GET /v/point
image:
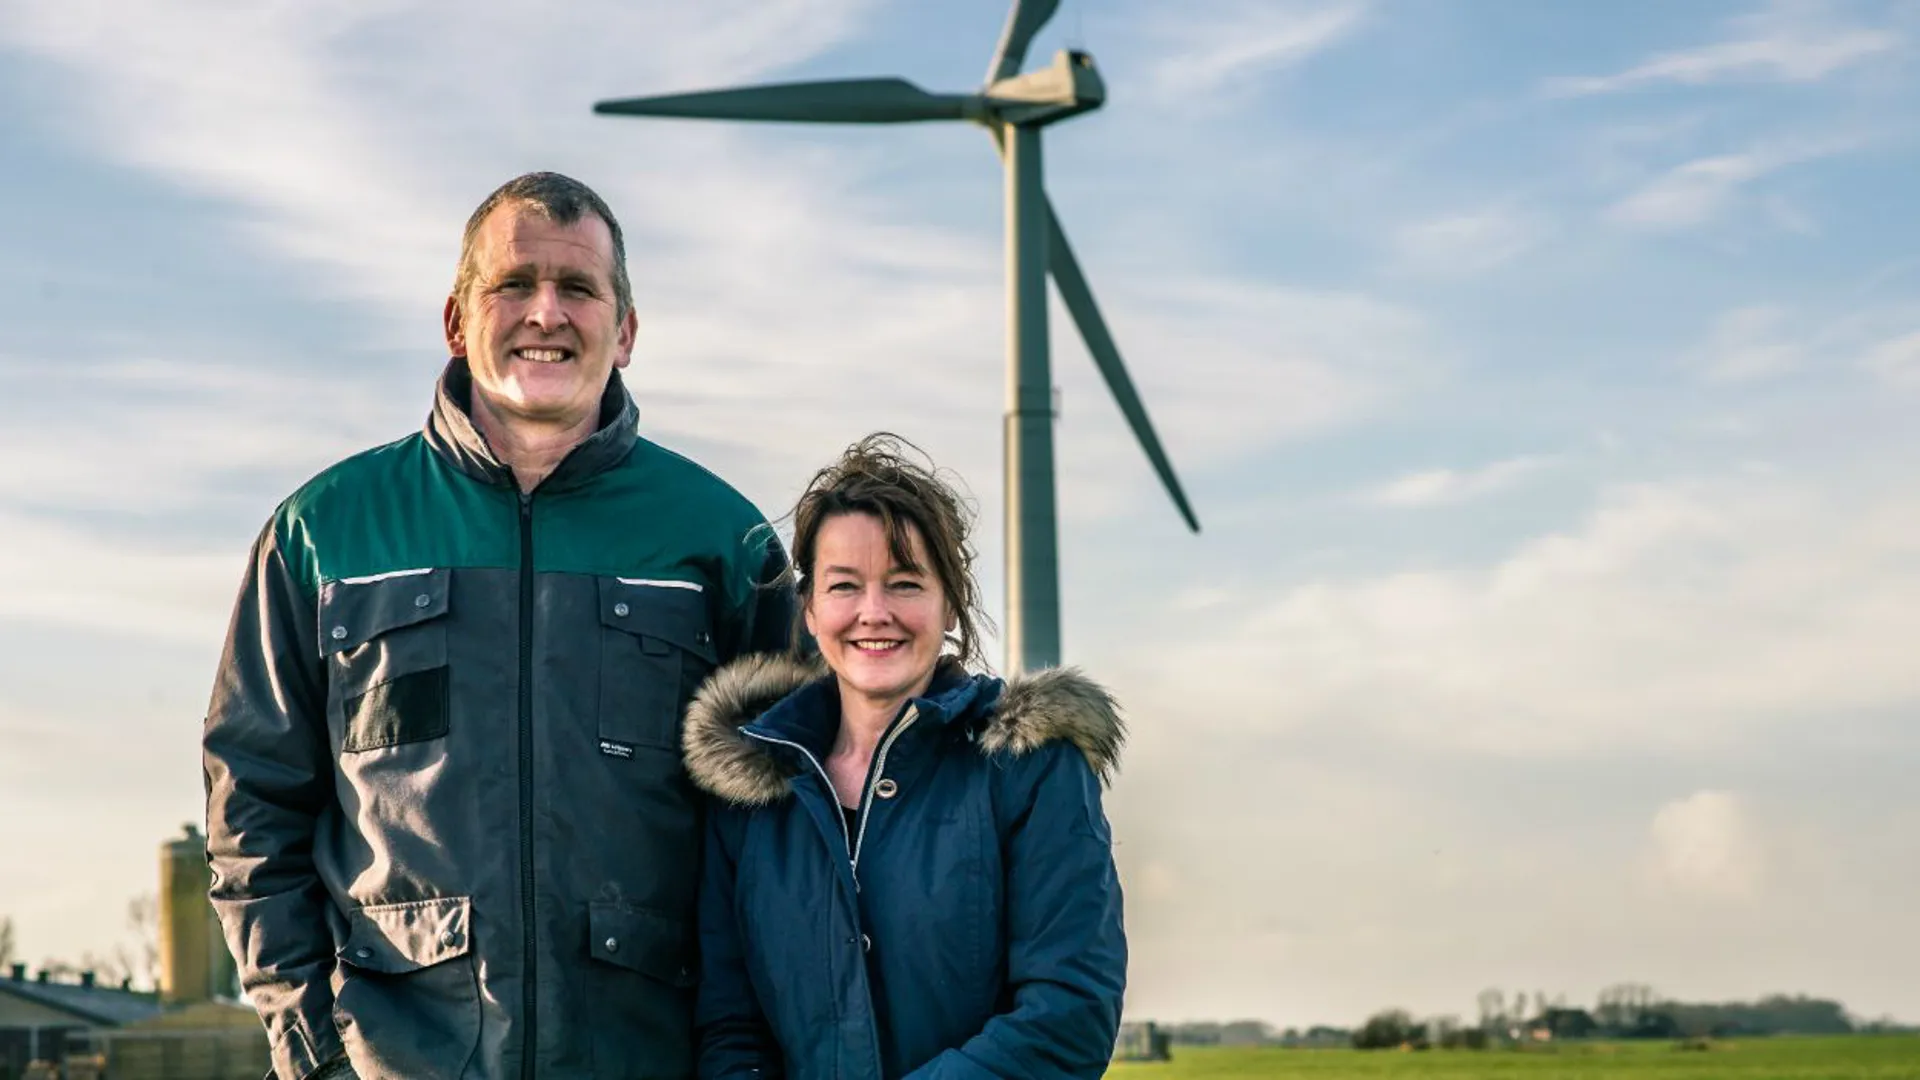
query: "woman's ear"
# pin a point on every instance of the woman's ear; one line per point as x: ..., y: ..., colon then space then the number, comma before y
x: 953, y: 619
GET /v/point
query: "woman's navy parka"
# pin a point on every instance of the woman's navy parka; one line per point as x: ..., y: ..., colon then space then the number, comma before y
x: 967, y: 924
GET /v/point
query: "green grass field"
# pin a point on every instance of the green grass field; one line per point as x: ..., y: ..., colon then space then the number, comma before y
x: 1860, y: 1057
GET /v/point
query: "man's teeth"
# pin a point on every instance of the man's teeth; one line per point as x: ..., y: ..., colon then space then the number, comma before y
x: 542, y: 356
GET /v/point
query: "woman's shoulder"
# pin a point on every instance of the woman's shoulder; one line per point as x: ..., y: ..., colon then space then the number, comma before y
x: 1051, y: 713
x: 720, y: 759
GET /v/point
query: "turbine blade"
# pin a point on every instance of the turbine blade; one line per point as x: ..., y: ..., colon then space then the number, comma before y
x: 1093, y: 329
x: 834, y: 101
x: 1023, y: 22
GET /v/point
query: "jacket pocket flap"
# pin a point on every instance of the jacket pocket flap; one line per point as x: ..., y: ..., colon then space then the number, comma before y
x: 642, y: 941
x: 354, y: 611
x: 671, y: 611
x: 398, y: 938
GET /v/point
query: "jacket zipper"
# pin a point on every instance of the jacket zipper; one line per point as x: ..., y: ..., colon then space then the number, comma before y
x: 530, y: 942
x: 874, y: 773
x: 817, y: 767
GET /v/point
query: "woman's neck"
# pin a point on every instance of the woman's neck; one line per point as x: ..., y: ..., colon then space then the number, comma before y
x: 862, y: 721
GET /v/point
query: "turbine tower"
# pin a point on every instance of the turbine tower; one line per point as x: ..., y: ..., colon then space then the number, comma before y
x: 1015, y: 109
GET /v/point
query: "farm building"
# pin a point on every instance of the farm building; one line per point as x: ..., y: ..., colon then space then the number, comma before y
x: 43, y: 1020
x: 192, y: 1029
x: 1142, y: 1041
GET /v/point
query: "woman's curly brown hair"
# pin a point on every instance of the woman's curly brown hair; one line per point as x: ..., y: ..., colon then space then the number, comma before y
x: 889, y: 478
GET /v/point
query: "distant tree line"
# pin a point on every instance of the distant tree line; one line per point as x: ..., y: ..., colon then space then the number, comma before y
x: 1621, y: 1011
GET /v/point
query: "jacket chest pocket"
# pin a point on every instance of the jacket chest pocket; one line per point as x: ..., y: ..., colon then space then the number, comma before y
x: 385, y: 643
x: 655, y: 648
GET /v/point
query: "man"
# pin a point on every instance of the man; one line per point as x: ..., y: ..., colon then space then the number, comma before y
x: 447, y: 819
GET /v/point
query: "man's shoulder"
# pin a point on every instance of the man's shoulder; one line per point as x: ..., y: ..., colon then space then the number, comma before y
x: 329, y: 513
x: 351, y: 477
x: 691, y: 484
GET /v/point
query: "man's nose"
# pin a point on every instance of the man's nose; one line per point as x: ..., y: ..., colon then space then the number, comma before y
x: 544, y: 309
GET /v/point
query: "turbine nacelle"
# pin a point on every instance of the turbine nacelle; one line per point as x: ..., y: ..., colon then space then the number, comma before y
x: 1067, y: 87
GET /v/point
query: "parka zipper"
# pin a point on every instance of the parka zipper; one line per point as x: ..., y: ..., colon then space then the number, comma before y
x: 530, y: 943
x: 874, y: 772
x: 817, y: 767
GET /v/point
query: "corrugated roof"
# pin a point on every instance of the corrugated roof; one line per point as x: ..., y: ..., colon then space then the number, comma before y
x: 108, y: 1005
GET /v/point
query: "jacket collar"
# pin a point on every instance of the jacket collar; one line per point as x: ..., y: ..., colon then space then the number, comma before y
x: 452, y: 434
x: 777, y: 697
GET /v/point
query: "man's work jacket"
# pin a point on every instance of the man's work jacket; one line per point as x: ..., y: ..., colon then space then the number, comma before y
x: 447, y: 819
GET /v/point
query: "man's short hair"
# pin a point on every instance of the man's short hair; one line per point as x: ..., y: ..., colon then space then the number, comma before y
x: 563, y: 200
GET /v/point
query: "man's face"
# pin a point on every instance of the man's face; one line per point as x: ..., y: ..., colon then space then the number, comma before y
x: 539, y: 324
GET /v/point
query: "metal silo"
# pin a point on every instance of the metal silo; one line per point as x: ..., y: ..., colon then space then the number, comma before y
x: 194, y: 962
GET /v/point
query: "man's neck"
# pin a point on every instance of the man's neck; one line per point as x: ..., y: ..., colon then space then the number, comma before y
x: 531, y: 449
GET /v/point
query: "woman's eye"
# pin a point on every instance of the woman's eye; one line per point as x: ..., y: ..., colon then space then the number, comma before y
x: 840, y: 587
x: 906, y: 586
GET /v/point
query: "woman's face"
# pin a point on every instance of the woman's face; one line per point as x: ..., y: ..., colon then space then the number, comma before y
x: 879, y: 625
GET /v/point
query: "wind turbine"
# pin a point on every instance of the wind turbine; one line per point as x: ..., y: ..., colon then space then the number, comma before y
x: 1015, y: 108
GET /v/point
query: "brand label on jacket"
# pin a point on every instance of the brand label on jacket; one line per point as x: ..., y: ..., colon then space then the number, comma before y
x: 623, y: 751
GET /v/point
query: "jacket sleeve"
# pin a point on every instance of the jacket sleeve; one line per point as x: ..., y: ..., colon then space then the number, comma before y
x: 269, y: 780
x: 734, y: 1039
x: 1066, y: 945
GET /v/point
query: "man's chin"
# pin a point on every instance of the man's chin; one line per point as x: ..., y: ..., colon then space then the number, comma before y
x: 521, y: 404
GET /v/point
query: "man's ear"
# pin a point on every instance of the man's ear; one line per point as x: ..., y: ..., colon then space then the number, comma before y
x: 453, y: 319
x: 629, y: 332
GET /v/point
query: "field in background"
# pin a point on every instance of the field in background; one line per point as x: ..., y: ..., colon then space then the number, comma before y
x: 1854, y: 1057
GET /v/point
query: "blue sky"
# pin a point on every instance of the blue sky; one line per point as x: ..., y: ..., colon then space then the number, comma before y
x: 1541, y: 374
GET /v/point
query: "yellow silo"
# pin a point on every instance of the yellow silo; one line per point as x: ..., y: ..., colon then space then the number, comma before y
x: 194, y: 962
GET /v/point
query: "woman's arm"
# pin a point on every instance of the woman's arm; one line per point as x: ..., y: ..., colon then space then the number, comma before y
x: 1066, y: 948
x: 733, y: 1036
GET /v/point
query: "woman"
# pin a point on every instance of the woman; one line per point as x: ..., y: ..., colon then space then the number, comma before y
x: 908, y: 872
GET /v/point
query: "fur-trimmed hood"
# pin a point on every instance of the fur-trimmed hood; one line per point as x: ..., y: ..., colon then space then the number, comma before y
x: 1031, y: 711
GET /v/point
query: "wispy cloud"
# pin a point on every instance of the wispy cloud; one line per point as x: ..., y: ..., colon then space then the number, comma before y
x: 1895, y: 361
x: 1438, y: 487
x: 1208, y: 49
x: 1789, y: 42
x: 1701, y: 191
x: 332, y: 173
x: 1657, y: 622
x: 1466, y: 244
x: 1750, y: 344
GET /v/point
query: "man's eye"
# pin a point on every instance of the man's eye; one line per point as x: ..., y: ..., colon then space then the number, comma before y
x: 514, y: 285
x: 580, y: 289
